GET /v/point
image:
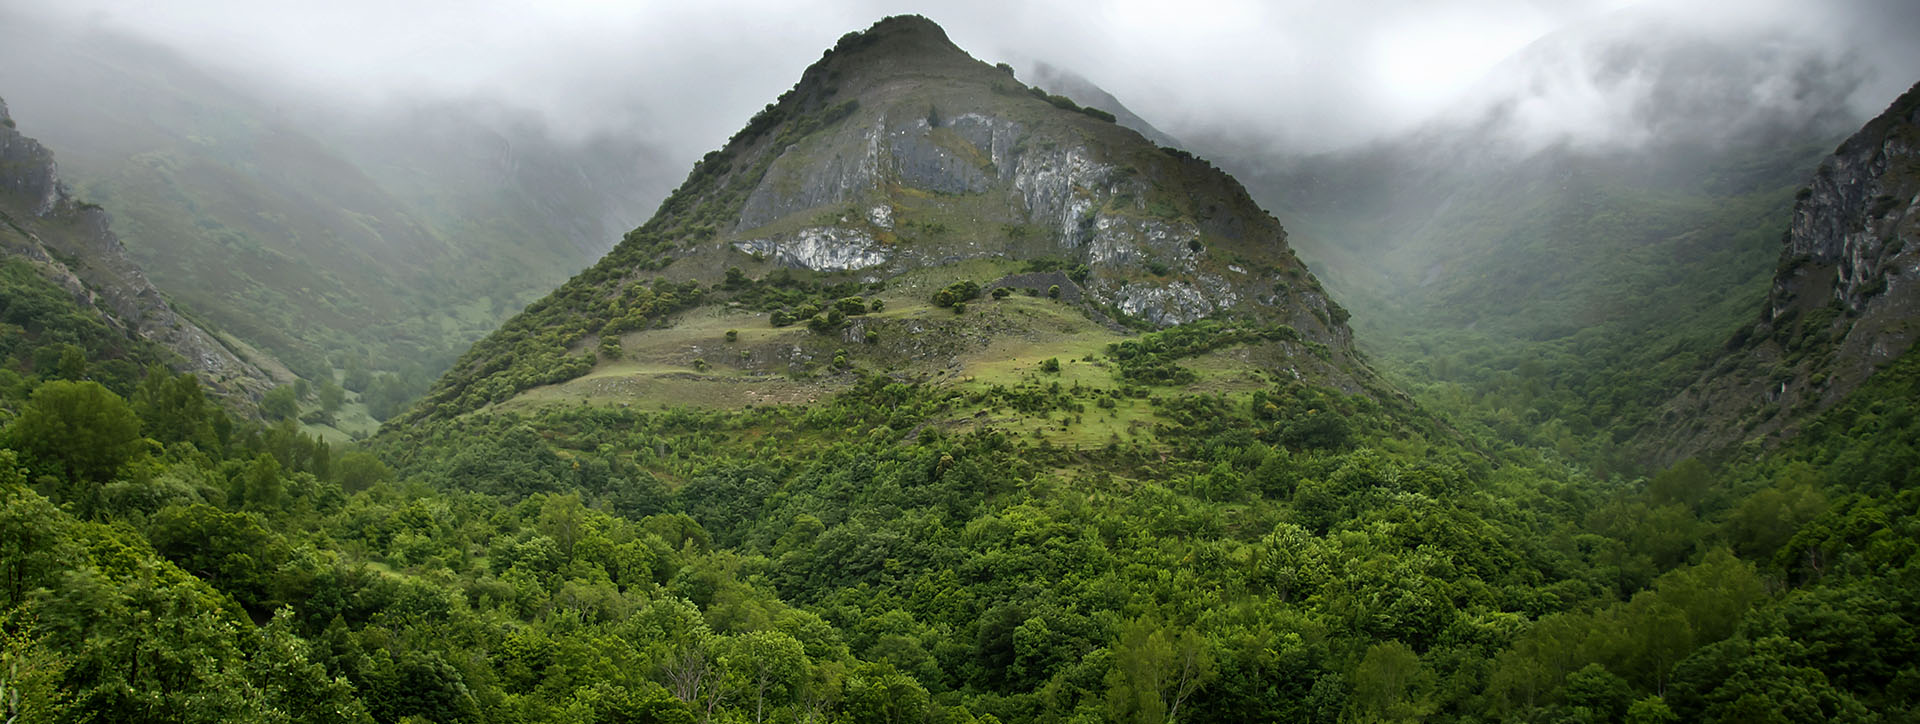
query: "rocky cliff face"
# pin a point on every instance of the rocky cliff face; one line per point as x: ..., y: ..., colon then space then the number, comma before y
x: 73, y: 244
x: 1844, y: 302
x: 898, y: 151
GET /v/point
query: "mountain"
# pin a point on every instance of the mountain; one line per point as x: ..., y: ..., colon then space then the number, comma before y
x: 1842, y: 304
x: 897, y: 167
x: 1516, y: 266
x: 325, y: 236
x: 71, y: 243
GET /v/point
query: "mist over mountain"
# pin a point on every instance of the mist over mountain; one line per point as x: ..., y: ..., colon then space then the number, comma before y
x: 1555, y: 220
x: 329, y: 237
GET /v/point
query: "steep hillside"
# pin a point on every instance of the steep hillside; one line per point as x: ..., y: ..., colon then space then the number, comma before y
x: 1842, y: 304
x: 897, y: 167
x: 72, y: 244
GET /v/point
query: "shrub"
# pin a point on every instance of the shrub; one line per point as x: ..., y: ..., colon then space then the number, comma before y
x: 1053, y: 292
x: 956, y: 293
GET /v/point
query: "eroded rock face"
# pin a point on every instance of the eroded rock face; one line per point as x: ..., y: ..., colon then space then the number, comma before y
x: 824, y: 248
x: 58, y: 227
x: 1852, y: 212
x: 1092, y: 210
x: 1843, y: 302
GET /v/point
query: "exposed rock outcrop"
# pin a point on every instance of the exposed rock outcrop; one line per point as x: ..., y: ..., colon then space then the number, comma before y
x: 897, y: 151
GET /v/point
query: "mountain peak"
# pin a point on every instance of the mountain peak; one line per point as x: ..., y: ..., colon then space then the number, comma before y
x: 896, y: 47
x: 914, y: 29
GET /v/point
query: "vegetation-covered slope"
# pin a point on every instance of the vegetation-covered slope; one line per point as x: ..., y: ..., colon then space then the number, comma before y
x: 1285, y: 553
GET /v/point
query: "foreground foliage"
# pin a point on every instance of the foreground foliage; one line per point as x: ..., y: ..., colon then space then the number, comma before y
x: 880, y: 557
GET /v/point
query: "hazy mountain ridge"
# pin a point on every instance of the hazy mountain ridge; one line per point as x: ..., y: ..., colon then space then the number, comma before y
x: 72, y: 243
x: 326, y: 236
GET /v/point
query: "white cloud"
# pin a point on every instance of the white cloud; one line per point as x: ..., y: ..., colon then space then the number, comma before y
x: 1296, y: 73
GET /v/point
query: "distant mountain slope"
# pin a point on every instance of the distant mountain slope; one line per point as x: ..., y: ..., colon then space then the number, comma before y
x: 900, y: 164
x: 71, y: 244
x: 1556, y: 284
x: 388, y: 242
x: 1843, y: 302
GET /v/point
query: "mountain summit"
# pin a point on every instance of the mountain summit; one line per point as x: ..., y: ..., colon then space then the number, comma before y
x: 899, y: 165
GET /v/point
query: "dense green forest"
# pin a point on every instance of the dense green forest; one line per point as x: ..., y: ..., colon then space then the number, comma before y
x: 1292, y: 553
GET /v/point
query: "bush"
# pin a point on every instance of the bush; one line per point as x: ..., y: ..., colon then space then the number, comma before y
x: 956, y: 293
x: 1053, y: 292
x: 1002, y: 292
x: 1050, y: 365
x: 733, y: 335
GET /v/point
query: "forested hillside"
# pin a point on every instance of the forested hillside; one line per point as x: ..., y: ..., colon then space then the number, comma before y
x: 1291, y: 554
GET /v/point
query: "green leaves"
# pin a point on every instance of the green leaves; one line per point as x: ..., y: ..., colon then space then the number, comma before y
x: 79, y: 432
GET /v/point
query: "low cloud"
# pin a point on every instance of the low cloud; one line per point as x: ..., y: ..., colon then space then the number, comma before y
x: 1293, y: 75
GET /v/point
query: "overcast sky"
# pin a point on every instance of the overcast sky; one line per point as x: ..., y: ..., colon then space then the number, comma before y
x: 1300, y: 73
